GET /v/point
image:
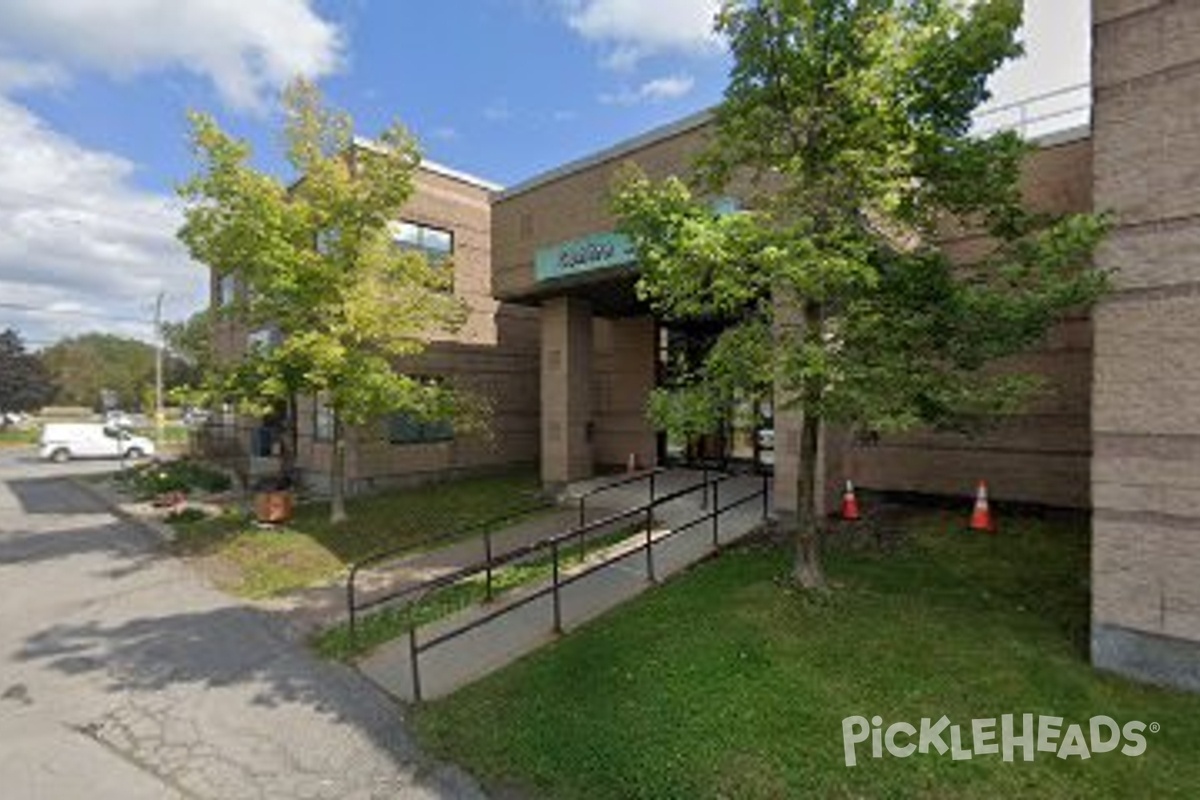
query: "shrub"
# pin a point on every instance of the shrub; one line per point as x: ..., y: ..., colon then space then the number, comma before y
x: 184, y: 475
x: 186, y: 515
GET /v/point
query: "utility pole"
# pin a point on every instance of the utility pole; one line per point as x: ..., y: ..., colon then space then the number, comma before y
x: 158, y: 373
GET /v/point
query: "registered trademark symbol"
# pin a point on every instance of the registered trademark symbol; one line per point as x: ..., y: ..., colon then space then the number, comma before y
x: 1155, y: 727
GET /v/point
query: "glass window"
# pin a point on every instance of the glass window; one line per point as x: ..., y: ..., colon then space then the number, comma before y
x: 406, y: 429
x: 226, y: 289
x: 436, y: 243
x: 323, y: 419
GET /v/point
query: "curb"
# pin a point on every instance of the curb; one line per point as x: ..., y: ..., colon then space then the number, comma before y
x: 160, y: 531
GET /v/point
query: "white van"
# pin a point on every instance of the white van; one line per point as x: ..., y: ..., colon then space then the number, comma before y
x: 64, y: 441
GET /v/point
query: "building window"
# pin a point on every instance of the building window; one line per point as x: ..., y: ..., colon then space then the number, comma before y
x: 323, y: 419
x: 226, y: 289
x: 404, y: 428
x: 435, y: 243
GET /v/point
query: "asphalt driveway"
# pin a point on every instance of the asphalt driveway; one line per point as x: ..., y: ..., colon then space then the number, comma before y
x: 122, y: 675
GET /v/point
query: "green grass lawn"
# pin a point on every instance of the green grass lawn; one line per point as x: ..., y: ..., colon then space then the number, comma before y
x: 728, y: 683
x: 15, y: 437
x: 310, y: 550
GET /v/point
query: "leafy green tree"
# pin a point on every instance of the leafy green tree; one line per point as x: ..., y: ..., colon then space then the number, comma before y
x: 90, y: 364
x: 189, y: 345
x: 338, y: 302
x: 844, y: 131
x: 25, y: 383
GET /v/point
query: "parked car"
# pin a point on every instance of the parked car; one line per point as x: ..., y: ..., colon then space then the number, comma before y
x: 64, y: 441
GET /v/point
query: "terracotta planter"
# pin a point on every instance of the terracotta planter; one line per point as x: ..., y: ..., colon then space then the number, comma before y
x: 273, y: 507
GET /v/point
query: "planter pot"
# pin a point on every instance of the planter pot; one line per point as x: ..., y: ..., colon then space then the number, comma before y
x: 273, y: 507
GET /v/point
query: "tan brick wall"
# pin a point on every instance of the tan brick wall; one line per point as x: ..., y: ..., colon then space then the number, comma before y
x: 1145, y: 476
x: 570, y: 207
x: 495, y: 355
x: 1043, y: 454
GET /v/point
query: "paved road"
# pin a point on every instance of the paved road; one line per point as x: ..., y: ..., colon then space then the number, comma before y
x: 122, y: 675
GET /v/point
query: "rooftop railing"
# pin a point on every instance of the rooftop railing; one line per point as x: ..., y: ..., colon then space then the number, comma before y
x: 1041, y: 115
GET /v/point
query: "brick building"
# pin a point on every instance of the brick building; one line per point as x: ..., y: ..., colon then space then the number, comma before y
x: 558, y: 338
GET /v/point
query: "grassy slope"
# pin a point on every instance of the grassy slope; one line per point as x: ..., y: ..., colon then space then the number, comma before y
x: 727, y: 683
x: 260, y: 563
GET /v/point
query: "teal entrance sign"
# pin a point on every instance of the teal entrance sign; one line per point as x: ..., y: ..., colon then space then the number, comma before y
x: 588, y: 254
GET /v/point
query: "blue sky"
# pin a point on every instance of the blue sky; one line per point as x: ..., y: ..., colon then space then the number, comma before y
x: 93, y: 95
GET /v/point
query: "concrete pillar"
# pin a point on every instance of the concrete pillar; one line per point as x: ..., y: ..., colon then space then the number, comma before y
x: 831, y: 457
x: 624, y: 375
x: 1145, y: 418
x: 567, y: 426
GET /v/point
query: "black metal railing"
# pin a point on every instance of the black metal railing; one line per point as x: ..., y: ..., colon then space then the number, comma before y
x: 710, y: 513
x: 355, y: 606
x: 646, y: 475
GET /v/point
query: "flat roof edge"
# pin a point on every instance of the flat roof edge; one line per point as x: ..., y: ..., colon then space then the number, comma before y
x: 1077, y: 133
x: 611, y: 153
x: 436, y: 168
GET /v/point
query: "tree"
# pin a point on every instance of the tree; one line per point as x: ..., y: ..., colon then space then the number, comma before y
x: 189, y: 346
x: 337, y: 301
x: 25, y: 384
x: 90, y: 364
x: 844, y: 131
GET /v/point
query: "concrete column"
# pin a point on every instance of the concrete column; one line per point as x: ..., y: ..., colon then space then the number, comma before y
x: 831, y: 455
x: 567, y: 427
x: 1146, y: 421
x: 624, y: 375
x: 831, y: 447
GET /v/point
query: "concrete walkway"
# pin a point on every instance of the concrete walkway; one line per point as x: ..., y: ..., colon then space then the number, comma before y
x: 313, y: 609
x: 123, y: 676
x: 497, y: 640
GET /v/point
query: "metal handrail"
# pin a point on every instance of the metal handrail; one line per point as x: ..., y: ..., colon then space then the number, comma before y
x: 558, y: 581
x: 649, y: 474
x: 526, y: 550
x: 488, y: 525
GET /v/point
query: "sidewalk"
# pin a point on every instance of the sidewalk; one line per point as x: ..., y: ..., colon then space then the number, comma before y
x: 320, y: 607
x: 498, y: 640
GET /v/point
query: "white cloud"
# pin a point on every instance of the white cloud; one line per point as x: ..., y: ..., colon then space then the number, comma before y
x: 670, y: 87
x: 17, y: 75
x: 632, y: 30
x: 247, y: 48
x: 77, y: 236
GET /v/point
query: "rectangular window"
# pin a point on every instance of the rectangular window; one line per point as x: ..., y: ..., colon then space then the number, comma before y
x: 226, y: 289
x: 435, y: 243
x: 323, y: 419
x: 405, y: 429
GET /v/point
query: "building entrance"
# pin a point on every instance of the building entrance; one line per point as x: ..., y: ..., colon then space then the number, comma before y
x: 745, y: 436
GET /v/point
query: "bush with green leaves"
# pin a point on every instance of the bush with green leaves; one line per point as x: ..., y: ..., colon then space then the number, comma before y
x: 185, y: 475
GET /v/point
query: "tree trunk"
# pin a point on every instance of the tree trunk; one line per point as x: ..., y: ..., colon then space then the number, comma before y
x: 289, y: 444
x: 807, y: 569
x: 337, y: 475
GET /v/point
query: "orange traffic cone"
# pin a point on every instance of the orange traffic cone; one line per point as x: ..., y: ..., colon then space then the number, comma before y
x: 981, y: 516
x: 849, y: 503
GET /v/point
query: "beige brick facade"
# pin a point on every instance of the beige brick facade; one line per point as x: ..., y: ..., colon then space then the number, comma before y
x: 494, y: 355
x: 1146, y: 427
x: 1041, y: 456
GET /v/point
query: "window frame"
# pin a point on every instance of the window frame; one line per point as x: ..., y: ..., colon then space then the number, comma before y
x: 324, y: 419
x: 419, y: 243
